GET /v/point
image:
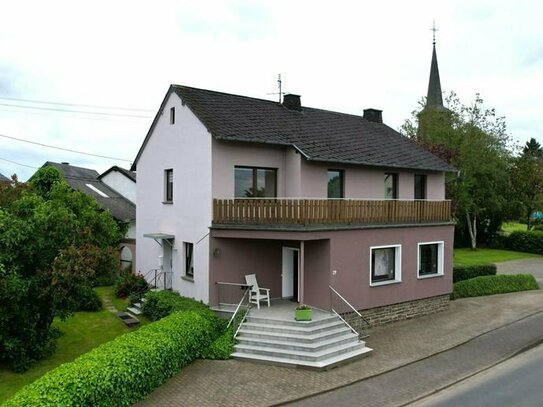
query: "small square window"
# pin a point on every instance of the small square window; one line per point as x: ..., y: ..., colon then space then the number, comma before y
x: 172, y: 115
x: 189, y: 259
x: 385, y: 265
x: 430, y: 259
x: 168, y: 185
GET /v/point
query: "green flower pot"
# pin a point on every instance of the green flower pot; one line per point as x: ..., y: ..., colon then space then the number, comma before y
x: 303, y: 314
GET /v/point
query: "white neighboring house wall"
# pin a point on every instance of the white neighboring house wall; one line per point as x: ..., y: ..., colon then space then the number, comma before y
x: 121, y: 183
x: 184, y: 147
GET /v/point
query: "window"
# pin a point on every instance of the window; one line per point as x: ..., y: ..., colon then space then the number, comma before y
x: 430, y: 259
x: 420, y: 186
x: 255, y: 182
x: 189, y: 260
x: 385, y: 265
x: 172, y: 115
x: 335, y: 184
x: 391, y: 185
x: 168, y: 185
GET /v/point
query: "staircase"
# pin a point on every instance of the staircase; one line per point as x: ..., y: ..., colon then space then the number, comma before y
x: 321, y: 344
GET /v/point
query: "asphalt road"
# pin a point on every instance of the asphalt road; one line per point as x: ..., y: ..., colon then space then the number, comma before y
x: 419, y: 379
x: 516, y: 382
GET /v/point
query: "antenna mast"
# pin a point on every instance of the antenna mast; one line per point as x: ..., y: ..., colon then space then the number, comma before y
x: 434, y: 29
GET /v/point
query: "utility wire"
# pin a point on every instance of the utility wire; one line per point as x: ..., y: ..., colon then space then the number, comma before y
x: 78, y: 105
x: 65, y: 149
x: 76, y: 111
x: 16, y: 163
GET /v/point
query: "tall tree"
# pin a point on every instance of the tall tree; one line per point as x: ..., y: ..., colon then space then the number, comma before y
x: 475, y: 141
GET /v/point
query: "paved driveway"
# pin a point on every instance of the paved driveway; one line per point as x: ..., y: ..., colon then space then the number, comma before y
x: 532, y: 266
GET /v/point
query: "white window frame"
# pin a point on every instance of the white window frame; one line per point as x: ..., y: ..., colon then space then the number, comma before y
x: 397, y: 264
x: 440, y: 258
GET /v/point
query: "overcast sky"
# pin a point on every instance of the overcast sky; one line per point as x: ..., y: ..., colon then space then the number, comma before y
x: 342, y: 55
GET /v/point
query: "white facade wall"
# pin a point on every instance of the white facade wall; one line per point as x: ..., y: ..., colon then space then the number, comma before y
x: 184, y: 147
x: 122, y: 184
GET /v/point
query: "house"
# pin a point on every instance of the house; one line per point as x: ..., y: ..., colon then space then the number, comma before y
x: 4, y: 179
x: 305, y: 198
x: 114, y: 190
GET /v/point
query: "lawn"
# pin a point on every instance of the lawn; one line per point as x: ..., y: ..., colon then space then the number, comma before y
x: 514, y: 227
x: 81, y: 333
x: 468, y: 257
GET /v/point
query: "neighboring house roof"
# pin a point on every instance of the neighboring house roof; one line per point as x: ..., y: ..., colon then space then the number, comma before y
x: 129, y: 174
x: 4, y: 179
x: 86, y: 181
x: 319, y: 135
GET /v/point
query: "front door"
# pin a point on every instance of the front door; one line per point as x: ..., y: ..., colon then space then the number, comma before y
x: 289, y: 274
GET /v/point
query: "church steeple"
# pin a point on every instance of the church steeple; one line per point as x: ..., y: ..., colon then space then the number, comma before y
x: 434, y: 98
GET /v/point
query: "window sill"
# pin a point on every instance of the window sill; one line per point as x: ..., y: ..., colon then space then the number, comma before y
x: 388, y: 282
x: 424, y: 276
x: 167, y: 202
x: 187, y: 278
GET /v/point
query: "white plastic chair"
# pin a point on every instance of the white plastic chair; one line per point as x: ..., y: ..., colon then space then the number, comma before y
x: 257, y: 293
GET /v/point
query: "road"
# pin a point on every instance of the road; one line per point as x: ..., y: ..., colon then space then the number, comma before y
x: 516, y: 382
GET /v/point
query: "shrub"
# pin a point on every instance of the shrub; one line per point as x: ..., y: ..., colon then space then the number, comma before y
x: 89, y: 300
x: 125, y: 370
x: 130, y: 283
x: 489, y: 285
x: 159, y: 304
x: 529, y: 242
x: 461, y: 273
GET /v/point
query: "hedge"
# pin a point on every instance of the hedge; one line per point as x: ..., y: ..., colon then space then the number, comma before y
x: 529, y: 241
x: 461, y: 273
x: 489, y: 285
x: 123, y: 371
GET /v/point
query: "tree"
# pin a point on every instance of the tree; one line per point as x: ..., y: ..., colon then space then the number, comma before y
x: 40, y: 228
x: 475, y: 141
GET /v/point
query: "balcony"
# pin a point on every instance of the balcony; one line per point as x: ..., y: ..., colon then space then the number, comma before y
x: 306, y: 212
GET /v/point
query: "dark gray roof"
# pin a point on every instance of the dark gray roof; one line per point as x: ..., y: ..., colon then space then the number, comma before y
x: 80, y: 178
x: 129, y: 174
x: 319, y: 135
x: 4, y: 179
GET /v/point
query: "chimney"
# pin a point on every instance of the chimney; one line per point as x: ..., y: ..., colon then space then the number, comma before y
x: 373, y: 115
x: 292, y: 102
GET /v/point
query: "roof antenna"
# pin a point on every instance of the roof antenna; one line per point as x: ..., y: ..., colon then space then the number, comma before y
x: 434, y: 29
x: 280, y: 87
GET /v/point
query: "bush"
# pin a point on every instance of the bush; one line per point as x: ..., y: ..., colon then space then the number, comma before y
x: 461, y: 273
x: 130, y: 283
x: 159, y: 304
x: 489, y: 285
x: 89, y: 300
x: 125, y: 370
x: 529, y: 242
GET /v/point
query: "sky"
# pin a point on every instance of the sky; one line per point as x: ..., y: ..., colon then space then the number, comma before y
x: 77, y: 60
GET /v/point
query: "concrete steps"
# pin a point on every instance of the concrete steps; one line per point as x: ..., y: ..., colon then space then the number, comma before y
x: 319, y: 344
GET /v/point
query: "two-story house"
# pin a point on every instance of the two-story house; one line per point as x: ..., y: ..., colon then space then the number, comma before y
x: 304, y: 198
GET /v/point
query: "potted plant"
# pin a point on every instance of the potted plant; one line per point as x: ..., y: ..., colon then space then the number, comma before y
x: 303, y: 313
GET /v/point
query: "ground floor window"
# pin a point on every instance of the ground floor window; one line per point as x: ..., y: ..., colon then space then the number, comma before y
x: 189, y: 259
x: 385, y: 264
x: 430, y: 259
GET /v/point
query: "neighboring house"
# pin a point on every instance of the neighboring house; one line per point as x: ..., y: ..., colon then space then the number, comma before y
x: 114, y: 190
x: 4, y: 179
x: 304, y: 198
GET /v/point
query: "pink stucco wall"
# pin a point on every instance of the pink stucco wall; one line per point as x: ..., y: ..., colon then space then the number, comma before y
x: 347, y: 252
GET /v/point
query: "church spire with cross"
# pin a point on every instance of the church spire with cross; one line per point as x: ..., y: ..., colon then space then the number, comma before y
x: 434, y: 98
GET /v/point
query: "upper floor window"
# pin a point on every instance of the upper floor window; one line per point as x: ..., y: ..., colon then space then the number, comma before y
x: 391, y: 185
x: 251, y: 182
x: 168, y: 185
x: 335, y: 184
x: 420, y: 186
x: 172, y: 115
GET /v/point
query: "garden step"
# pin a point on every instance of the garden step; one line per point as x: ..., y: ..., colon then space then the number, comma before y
x: 129, y: 320
x: 295, y: 338
x: 316, y: 346
x: 134, y: 310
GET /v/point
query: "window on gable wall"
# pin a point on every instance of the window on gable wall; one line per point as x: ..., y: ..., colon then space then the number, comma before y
x: 168, y: 185
x: 251, y: 182
x: 172, y: 115
x: 189, y: 259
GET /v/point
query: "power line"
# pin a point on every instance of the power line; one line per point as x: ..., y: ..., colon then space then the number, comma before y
x: 65, y: 149
x: 77, y: 105
x: 16, y: 163
x: 76, y: 111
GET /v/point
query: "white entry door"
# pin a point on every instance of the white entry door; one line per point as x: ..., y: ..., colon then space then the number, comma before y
x: 289, y: 274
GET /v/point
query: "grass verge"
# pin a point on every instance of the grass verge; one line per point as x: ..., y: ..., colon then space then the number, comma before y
x: 468, y: 257
x: 490, y: 285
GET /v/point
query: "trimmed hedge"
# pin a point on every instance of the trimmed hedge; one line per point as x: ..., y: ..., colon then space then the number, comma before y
x: 125, y: 370
x: 529, y: 242
x: 461, y: 273
x: 489, y: 285
x: 159, y: 304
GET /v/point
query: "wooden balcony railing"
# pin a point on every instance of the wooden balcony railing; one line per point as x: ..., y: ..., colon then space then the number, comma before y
x: 282, y: 211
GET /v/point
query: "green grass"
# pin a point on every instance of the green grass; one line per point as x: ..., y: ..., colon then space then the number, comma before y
x: 468, y: 257
x: 81, y: 333
x: 109, y: 293
x: 490, y: 285
x: 514, y: 227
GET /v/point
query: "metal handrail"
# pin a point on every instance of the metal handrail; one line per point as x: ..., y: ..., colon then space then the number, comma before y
x: 353, y: 309
x: 233, y: 318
